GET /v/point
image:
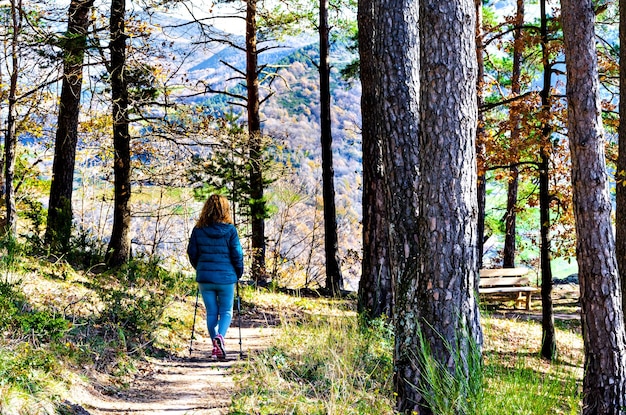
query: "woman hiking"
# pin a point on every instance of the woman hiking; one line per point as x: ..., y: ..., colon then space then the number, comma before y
x: 215, y: 253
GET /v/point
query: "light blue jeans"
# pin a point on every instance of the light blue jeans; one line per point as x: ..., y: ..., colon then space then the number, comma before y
x: 218, y: 301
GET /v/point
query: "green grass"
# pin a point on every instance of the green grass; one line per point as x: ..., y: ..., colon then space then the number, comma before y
x: 525, y: 390
x: 57, y: 322
x: 320, y: 365
x: 518, y: 381
x: 327, y: 364
x: 321, y: 362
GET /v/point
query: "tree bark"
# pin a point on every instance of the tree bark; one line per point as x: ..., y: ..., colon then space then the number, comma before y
x: 437, y: 294
x: 334, y: 280
x: 59, y: 227
x: 480, y: 139
x: 548, y: 345
x: 514, y: 119
x: 257, y: 207
x: 376, y: 282
x: 390, y: 76
x: 620, y: 175
x: 508, y: 257
x: 604, y: 383
x: 118, y: 251
x: 10, y: 140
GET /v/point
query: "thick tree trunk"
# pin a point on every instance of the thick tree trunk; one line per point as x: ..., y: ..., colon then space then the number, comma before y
x: 604, y: 383
x: 620, y: 175
x: 334, y: 280
x: 119, y: 246
x: 257, y: 207
x: 548, y: 346
x: 59, y: 227
x: 437, y: 296
x: 390, y: 75
x: 376, y: 283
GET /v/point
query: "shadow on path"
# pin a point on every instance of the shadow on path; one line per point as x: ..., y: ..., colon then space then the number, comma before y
x: 190, y: 385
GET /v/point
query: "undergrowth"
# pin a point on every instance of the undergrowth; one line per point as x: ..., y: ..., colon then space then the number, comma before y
x: 325, y: 363
x: 56, y: 321
x: 321, y: 365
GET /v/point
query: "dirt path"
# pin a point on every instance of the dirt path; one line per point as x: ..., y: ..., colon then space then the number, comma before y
x: 195, y: 385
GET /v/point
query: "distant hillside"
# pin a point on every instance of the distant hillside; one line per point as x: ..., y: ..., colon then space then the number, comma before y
x: 292, y: 113
x: 292, y: 117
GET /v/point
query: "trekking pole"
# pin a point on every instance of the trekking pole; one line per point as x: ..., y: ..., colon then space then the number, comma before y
x: 193, y: 327
x: 239, y: 319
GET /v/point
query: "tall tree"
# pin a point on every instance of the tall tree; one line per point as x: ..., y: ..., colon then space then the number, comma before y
x: 59, y: 226
x: 389, y: 54
x: 620, y: 179
x: 548, y: 345
x: 257, y: 208
x: 604, y: 383
x: 334, y: 281
x: 445, y: 306
x: 261, y: 26
x: 376, y: 282
x: 436, y: 294
x: 118, y: 250
x: 510, y: 235
x: 480, y: 137
x: 10, y: 138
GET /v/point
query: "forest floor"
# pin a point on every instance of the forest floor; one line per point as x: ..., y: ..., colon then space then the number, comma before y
x: 195, y: 384
x: 565, y: 299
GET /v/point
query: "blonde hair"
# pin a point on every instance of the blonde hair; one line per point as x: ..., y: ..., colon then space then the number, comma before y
x: 216, y: 209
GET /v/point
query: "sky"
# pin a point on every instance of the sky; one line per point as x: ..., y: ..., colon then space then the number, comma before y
x: 207, y: 8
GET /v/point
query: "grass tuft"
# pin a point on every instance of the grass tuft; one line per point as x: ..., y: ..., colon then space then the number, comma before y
x: 321, y: 365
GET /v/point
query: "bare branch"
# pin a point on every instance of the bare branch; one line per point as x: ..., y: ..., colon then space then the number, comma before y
x: 489, y: 106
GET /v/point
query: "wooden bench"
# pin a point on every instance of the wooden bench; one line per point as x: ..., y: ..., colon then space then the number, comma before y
x: 507, y: 281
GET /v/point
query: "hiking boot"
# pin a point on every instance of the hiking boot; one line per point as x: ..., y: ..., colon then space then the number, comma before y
x: 215, y: 351
x: 219, y: 344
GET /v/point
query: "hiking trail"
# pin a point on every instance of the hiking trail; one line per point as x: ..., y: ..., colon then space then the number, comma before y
x: 190, y: 385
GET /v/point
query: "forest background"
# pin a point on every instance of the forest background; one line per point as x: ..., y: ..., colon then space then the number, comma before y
x: 186, y: 139
x: 175, y: 64
x: 180, y: 131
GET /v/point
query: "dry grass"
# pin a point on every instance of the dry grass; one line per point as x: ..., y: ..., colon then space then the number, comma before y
x: 516, y: 380
x: 322, y: 342
x: 516, y: 376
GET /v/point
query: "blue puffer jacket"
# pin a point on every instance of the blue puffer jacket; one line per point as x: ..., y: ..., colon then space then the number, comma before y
x: 215, y: 252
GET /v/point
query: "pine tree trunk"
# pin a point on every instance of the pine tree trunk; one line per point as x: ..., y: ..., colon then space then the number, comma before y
x: 59, y: 227
x: 389, y: 47
x: 620, y: 175
x: 480, y: 139
x: 548, y: 345
x: 604, y: 383
x: 376, y: 283
x: 334, y: 281
x: 437, y: 295
x: 10, y: 138
x: 257, y: 207
x: 119, y: 246
x: 514, y: 117
x: 508, y: 257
